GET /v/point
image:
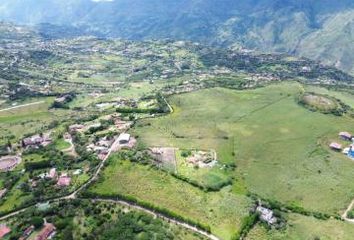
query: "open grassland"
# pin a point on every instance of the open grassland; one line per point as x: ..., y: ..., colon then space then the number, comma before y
x: 346, y: 97
x: 301, y: 227
x: 223, y: 211
x: 27, y: 119
x: 280, y: 148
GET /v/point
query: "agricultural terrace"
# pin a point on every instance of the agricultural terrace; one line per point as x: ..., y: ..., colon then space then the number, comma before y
x: 279, y: 147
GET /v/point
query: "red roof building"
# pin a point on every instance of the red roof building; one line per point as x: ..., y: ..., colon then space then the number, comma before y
x: 46, y: 232
x: 345, y: 135
x: 4, y: 230
x: 64, y: 181
x: 336, y: 146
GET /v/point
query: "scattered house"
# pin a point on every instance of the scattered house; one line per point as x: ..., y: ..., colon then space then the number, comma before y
x: 47, y: 232
x: 64, y: 181
x: 3, y: 192
x: 27, y: 233
x: 76, y: 128
x: 124, y: 138
x: 122, y: 125
x: 104, y: 142
x: 4, y: 230
x: 77, y: 172
x: 52, y: 173
x: 335, y: 146
x: 346, y: 136
x: 36, y: 140
x: 266, y: 215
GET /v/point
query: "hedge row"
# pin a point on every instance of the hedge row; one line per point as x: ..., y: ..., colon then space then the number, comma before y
x: 246, y: 226
x: 273, y: 204
x: 200, y: 186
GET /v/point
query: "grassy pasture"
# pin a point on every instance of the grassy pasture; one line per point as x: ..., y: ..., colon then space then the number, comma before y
x: 223, y: 211
x: 280, y: 148
x: 346, y: 97
x: 301, y: 227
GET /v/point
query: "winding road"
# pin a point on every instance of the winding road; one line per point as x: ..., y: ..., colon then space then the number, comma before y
x: 73, y: 195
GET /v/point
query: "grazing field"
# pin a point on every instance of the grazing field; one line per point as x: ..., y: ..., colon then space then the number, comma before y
x: 223, y: 211
x: 15, y: 123
x: 345, y: 96
x: 280, y: 148
x: 301, y: 227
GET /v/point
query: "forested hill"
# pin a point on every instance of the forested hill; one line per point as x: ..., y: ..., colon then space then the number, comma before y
x: 321, y: 30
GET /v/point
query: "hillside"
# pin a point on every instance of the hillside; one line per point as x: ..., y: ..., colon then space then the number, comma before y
x: 31, y: 64
x: 321, y: 30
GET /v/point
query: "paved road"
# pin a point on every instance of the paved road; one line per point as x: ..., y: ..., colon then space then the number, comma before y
x: 20, y: 106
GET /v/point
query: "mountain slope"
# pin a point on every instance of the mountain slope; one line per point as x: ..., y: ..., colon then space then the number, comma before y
x: 321, y: 30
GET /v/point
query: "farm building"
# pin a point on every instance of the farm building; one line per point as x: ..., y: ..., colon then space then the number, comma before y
x: 4, y: 230
x: 346, y: 136
x: 47, y: 232
x: 124, y: 138
x: 335, y: 146
x: 266, y: 215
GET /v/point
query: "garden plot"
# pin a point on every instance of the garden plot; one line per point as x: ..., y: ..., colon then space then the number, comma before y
x: 165, y: 157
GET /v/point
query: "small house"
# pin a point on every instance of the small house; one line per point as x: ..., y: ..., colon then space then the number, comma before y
x: 52, y: 173
x: 335, y: 146
x: 4, y: 230
x: 346, y: 136
x: 124, y: 138
x: 266, y: 215
x: 64, y: 181
x: 47, y: 232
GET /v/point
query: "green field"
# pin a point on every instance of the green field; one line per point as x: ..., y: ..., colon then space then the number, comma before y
x: 209, y: 177
x: 301, y: 227
x: 279, y: 147
x: 223, y: 211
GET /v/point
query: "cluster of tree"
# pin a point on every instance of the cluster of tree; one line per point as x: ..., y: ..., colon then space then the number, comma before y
x: 68, y: 97
x: 338, y: 109
x: 270, y: 64
x: 282, y: 207
x: 205, y: 187
x: 163, y: 211
x: 135, y: 225
x: 162, y: 107
x: 246, y: 225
